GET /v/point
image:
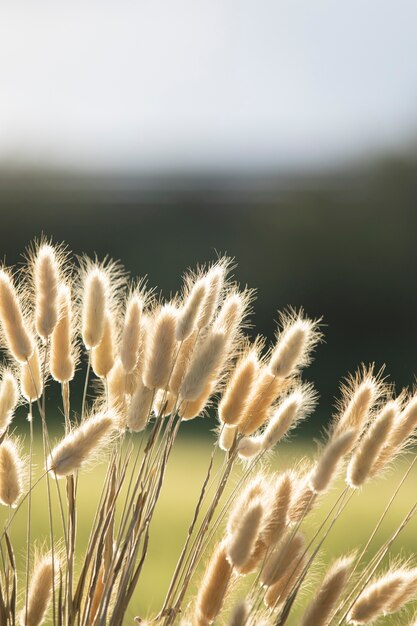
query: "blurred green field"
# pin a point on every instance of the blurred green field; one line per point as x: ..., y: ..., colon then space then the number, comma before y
x: 183, y: 482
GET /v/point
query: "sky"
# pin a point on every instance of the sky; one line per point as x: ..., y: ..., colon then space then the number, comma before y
x: 197, y: 84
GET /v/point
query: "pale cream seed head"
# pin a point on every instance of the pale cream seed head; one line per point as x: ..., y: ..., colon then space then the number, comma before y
x: 161, y: 346
x: 31, y: 379
x: 9, y: 396
x: 326, y: 467
x: 295, y: 343
x: 11, y: 473
x: 238, y: 390
x: 46, y: 281
x: 140, y: 408
x: 131, y: 333
x: 205, y: 364
x: 358, y: 397
x: 320, y: 610
x: 241, y: 542
x: 95, y: 302
x: 191, y: 310
x: 103, y: 355
x: 62, y: 358
x: 276, y: 511
x: 40, y: 591
x: 18, y: 339
x: 189, y: 409
x: 364, y: 457
x: 214, y: 281
x: 293, y: 408
x: 377, y: 598
x: 282, y: 559
x: 80, y: 446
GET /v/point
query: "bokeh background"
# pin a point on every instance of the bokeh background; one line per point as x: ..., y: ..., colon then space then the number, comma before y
x: 283, y: 133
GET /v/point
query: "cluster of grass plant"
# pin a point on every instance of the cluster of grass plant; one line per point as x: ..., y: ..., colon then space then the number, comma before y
x: 150, y: 367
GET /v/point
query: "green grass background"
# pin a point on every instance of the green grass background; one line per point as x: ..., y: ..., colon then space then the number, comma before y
x: 184, y: 478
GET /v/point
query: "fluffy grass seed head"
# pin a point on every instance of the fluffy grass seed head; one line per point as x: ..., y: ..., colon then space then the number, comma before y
x: 116, y: 386
x: 140, y: 408
x: 294, y: 346
x: 320, y: 610
x: 283, y: 558
x: 238, y: 390
x: 242, y: 541
x: 63, y: 357
x: 406, y: 594
x: 365, y: 456
x: 18, y: 339
x: 103, y: 354
x: 303, y: 497
x: 255, y: 491
x: 46, y: 279
x: 232, y: 313
x: 191, y: 310
x: 40, y: 591
x: 214, y: 282
x: 190, y: 409
x: 214, y: 585
x: 359, y: 394
x: 277, y: 593
x: 404, y: 426
x: 99, y: 286
x: 79, y: 446
x: 161, y: 346
x: 9, y: 397
x: 326, y: 467
x: 380, y: 597
x: 11, y: 473
x: 291, y: 410
x: 182, y: 361
x: 206, y: 362
x: 276, y: 511
x: 131, y: 333
x: 266, y: 389
x: 31, y: 379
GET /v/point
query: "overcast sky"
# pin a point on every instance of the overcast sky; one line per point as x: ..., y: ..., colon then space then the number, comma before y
x: 216, y: 83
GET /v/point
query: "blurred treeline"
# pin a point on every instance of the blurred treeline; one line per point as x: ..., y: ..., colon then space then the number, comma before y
x: 341, y: 244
